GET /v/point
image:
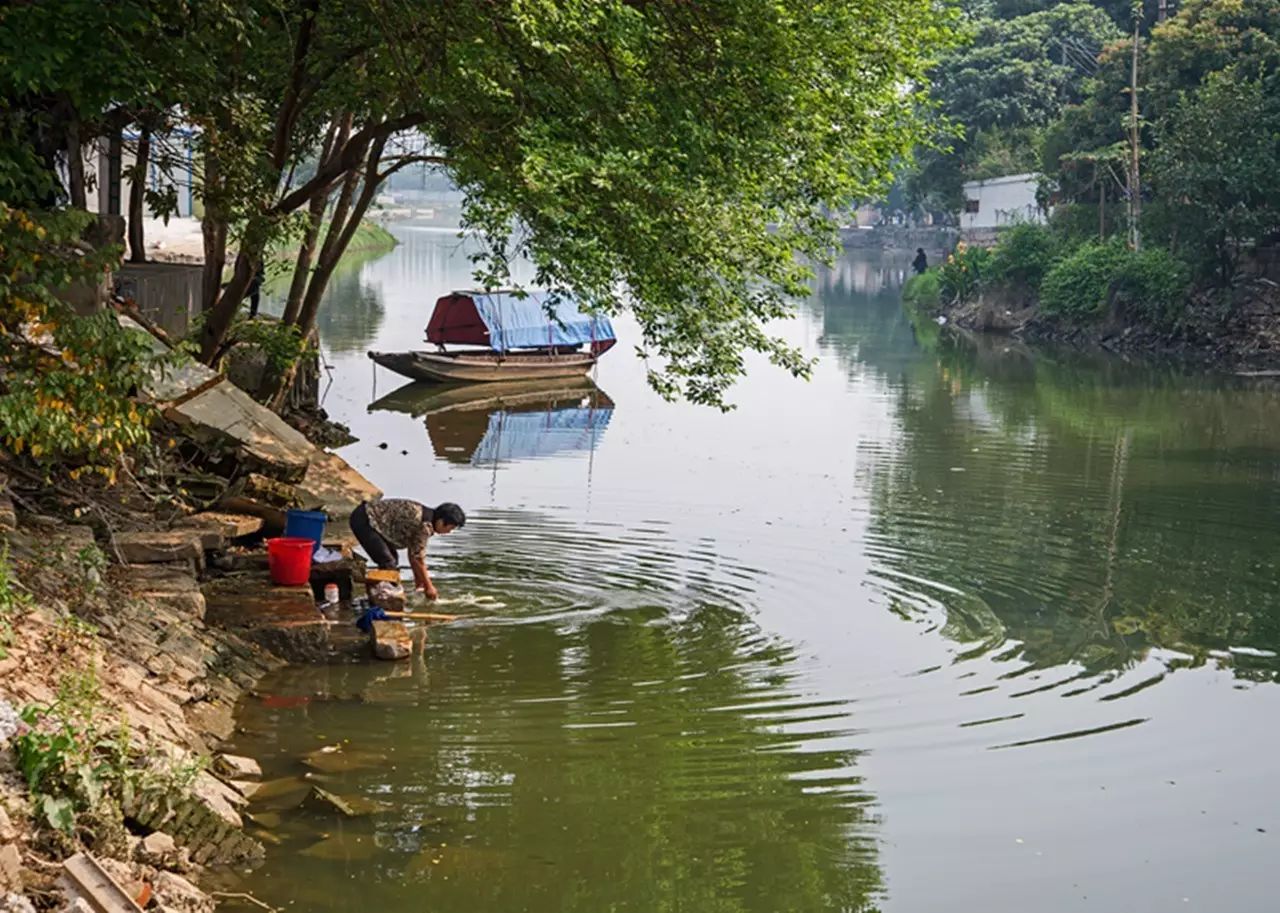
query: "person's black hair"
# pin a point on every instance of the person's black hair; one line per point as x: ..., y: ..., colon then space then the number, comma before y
x: 450, y: 513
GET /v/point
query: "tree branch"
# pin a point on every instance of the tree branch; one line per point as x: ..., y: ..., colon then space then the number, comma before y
x: 289, y: 106
x: 349, y: 157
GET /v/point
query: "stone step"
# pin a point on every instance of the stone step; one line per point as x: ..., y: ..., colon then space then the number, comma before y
x: 174, y: 586
x: 391, y: 640
x: 153, y: 547
x: 220, y: 527
x: 283, y: 620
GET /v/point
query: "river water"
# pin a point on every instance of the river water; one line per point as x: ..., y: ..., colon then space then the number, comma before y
x: 952, y: 626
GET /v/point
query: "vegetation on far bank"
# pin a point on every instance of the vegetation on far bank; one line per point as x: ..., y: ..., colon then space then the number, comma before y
x: 1074, y: 279
x: 1186, y: 176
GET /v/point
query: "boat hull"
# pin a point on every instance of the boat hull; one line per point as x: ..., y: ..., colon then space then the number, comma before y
x: 483, y: 367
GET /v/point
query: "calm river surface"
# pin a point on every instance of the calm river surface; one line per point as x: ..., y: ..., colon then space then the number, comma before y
x: 950, y: 627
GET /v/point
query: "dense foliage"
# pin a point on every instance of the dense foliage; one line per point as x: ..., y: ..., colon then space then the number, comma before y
x: 69, y: 380
x: 1025, y: 255
x: 1215, y: 167
x: 669, y: 158
x: 1012, y: 78
x: 1047, y: 86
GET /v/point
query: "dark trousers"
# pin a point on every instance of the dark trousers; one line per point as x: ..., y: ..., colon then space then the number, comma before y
x: 377, y: 548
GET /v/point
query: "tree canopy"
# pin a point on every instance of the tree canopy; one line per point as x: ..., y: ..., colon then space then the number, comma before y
x: 668, y: 158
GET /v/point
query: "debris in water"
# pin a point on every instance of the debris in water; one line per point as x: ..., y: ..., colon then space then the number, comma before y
x: 342, y: 849
x: 337, y: 759
x: 351, y: 806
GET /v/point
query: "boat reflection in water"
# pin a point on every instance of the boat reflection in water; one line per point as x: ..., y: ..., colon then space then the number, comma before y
x: 487, y: 424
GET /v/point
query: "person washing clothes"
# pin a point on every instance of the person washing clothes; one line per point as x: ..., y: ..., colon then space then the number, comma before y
x: 384, y: 527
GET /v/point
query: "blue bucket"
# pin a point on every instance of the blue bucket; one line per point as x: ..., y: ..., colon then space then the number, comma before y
x: 305, y: 524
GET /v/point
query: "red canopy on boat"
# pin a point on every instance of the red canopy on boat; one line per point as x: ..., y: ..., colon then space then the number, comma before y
x: 506, y: 321
x: 456, y: 320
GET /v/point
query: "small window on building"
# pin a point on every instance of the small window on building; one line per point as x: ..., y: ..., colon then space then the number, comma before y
x: 971, y: 206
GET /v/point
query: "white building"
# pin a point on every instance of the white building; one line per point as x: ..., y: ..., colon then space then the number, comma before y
x: 1001, y: 201
x: 108, y: 167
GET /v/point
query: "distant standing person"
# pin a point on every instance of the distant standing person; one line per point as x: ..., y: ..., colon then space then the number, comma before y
x: 921, y: 262
x: 255, y: 291
x: 384, y: 527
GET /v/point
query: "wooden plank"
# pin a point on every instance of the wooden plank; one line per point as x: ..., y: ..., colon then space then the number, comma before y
x: 92, y: 882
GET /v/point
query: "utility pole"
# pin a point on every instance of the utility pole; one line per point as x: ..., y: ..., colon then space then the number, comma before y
x: 1135, y: 137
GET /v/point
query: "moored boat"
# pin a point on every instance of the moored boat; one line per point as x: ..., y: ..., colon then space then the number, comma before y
x: 535, y: 336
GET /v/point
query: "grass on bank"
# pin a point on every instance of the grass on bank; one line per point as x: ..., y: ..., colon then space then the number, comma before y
x: 923, y: 290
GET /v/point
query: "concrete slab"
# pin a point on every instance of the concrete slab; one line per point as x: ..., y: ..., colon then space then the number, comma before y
x: 176, y: 382
x: 333, y: 485
x: 226, y: 414
x: 219, y: 527
x: 283, y: 620
x: 152, y: 547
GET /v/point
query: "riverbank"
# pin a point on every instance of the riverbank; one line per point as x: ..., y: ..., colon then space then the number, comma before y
x: 181, y: 241
x: 1139, y: 306
x: 133, y: 619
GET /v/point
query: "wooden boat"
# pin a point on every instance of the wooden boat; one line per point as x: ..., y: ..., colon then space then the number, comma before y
x: 480, y: 367
x: 532, y: 337
x: 420, y: 399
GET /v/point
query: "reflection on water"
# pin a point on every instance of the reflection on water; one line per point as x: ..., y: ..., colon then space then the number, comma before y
x: 954, y: 626
x: 570, y: 755
x: 1119, y: 506
x: 487, y: 424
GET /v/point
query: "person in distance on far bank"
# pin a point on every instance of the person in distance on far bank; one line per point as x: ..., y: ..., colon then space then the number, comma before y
x: 384, y: 527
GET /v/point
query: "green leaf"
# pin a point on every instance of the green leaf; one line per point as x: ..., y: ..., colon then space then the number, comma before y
x: 59, y: 812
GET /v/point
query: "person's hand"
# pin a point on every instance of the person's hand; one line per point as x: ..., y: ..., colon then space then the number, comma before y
x: 431, y: 592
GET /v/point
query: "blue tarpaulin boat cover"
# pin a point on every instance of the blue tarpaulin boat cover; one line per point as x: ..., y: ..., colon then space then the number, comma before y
x: 523, y: 323
x: 528, y: 435
x: 511, y: 322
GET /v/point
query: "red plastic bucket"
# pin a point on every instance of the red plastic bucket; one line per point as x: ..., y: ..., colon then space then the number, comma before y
x: 289, y: 559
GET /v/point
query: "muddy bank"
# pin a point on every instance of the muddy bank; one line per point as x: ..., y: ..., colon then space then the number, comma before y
x: 133, y: 619
x: 1240, y: 336
x: 130, y: 668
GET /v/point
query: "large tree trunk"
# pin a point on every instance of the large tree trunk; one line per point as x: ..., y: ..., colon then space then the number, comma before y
x: 315, y: 218
x: 345, y: 158
x: 213, y: 227
x: 302, y: 267
x: 218, y: 320
x: 75, y: 164
x: 331, y: 254
x: 346, y: 218
x: 138, y: 197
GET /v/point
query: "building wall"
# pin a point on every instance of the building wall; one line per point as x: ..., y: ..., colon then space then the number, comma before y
x: 1000, y: 202
x: 179, y: 152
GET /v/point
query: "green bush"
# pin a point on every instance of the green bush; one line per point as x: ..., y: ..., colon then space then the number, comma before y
x: 962, y: 274
x: 1024, y: 254
x: 1078, y: 285
x: 923, y: 290
x: 1074, y: 223
x: 1152, y: 283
